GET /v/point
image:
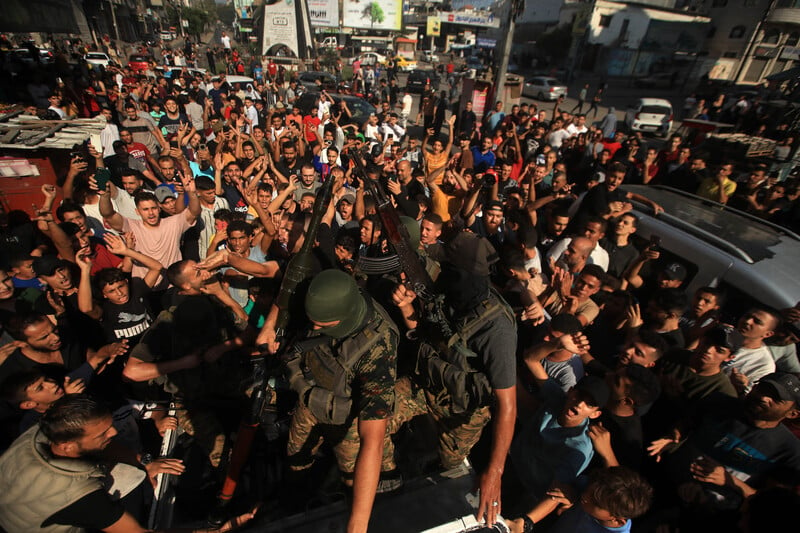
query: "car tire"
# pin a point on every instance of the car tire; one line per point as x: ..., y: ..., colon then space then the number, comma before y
x: 540, y: 96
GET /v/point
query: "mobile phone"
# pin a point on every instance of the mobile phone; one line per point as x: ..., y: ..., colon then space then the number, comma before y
x: 655, y: 242
x: 173, y: 144
x: 102, y: 177
x: 202, y: 146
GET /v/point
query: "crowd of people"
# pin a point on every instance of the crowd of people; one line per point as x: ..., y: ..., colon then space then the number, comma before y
x: 530, y: 319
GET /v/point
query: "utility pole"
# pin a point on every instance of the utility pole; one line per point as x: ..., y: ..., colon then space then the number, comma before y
x: 114, y: 19
x: 505, y: 51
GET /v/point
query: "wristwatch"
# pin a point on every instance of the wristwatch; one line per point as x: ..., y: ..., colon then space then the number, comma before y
x: 527, y: 524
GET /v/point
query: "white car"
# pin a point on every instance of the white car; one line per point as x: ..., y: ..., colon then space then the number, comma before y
x: 650, y: 115
x: 166, y: 35
x: 234, y: 78
x: 98, y: 59
x: 544, y: 88
x: 370, y: 58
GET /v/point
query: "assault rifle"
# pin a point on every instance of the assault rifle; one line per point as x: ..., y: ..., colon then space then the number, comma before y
x: 417, y: 277
x: 263, y: 395
x: 164, y: 493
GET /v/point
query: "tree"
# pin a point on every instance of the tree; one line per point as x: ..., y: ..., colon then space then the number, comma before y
x: 374, y: 13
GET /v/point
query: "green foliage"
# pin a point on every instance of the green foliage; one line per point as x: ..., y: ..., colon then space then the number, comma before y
x: 555, y: 44
x: 374, y: 13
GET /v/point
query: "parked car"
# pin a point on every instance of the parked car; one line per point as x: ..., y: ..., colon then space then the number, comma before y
x: 166, y: 35
x: 418, y: 79
x: 429, y: 56
x: 360, y: 108
x: 753, y: 260
x: 24, y: 54
x: 404, y: 64
x: 139, y: 62
x: 544, y: 88
x: 650, y: 115
x: 659, y: 80
x: 329, y: 42
x: 370, y: 58
x: 98, y: 59
x: 234, y: 78
x: 174, y: 72
x: 475, y: 63
x: 308, y: 80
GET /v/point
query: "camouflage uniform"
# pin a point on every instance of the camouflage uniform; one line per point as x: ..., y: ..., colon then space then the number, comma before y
x: 489, y: 336
x: 370, y: 382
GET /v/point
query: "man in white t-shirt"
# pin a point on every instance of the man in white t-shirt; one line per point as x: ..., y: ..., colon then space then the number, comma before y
x: 577, y: 126
x: 405, y: 110
x: 753, y: 360
x: 226, y: 43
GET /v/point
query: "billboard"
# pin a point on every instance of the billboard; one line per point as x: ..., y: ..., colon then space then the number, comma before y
x: 324, y: 12
x: 470, y: 19
x: 373, y: 14
x: 434, y: 26
x: 280, y: 29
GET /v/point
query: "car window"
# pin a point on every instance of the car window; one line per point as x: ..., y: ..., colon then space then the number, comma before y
x: 96, y: 56
x: 656, y: 109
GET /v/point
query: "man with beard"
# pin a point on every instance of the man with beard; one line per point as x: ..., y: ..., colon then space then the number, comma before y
x: 73, y: 476
x: 552, y: 228
x: 734, y: 450
x: 43, y: 348
x: 490, y: 224
x: 291, y: 163
x: 156, y: 238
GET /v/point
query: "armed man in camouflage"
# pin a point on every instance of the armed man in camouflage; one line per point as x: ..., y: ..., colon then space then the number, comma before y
x: 344, y: 374
x: 465, y: 378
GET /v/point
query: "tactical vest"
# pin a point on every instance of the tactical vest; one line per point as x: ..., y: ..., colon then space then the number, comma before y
x: 35, y: 485
x: 322, y: 374
x: 446, y: 370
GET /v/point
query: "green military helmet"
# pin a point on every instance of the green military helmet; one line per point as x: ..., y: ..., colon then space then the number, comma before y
x: 413, y: 231
x: 334, y: 295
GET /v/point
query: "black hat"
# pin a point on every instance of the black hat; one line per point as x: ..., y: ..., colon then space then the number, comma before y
x: 724, y: 336
x: 787, y: 385
x: 48, y: 264
x: 596, y: 388
x: 675, y: 271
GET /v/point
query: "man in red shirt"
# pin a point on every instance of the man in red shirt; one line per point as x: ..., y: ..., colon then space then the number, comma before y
x: 137, y: 150
x: 310, y: 124
x: 272, y: 70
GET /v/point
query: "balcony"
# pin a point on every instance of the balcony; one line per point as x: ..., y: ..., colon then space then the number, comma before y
x: 786, y: 15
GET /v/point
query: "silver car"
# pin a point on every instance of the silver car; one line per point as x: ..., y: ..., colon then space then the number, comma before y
x: 544, y: 88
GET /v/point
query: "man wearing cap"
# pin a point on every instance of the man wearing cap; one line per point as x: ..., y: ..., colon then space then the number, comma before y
x: 554, y: 446
x: 167, y: 200
x: 490, y: 224
x: 344, y: 376
x: 738, y: 448
x: 344, y: 211
x: 474, y: 381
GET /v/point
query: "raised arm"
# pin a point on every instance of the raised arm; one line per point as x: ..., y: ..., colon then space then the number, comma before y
x: 110, y: 216
x: 117, y: 245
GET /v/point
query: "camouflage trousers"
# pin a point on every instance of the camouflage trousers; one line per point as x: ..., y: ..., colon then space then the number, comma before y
x: 307, y: 434
x: 458, y: 433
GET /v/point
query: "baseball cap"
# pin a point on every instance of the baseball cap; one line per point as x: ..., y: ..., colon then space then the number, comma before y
x: 360, y: 137
x: 494, y: 204
x: 787, y: 385
x: 47, y: 265
x: 724, y: 336
x: 596, y: 388
x: 349, y: 198
x: 674, y: 271
x: 163, y: 192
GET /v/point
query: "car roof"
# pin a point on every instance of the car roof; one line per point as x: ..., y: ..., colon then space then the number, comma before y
x: 232, y: 78
x: 654, y: 101
x: 760, y: 251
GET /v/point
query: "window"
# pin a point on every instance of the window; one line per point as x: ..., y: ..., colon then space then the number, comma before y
x: 771, y: 36
x: 793, y: 39
x: 737, y: 32
x: 605, y: 21
x: 719, y: 3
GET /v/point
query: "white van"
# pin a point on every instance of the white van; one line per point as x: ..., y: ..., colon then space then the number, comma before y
x: 329, y: 42
x: 650, y: 115
x: 755, y: 261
